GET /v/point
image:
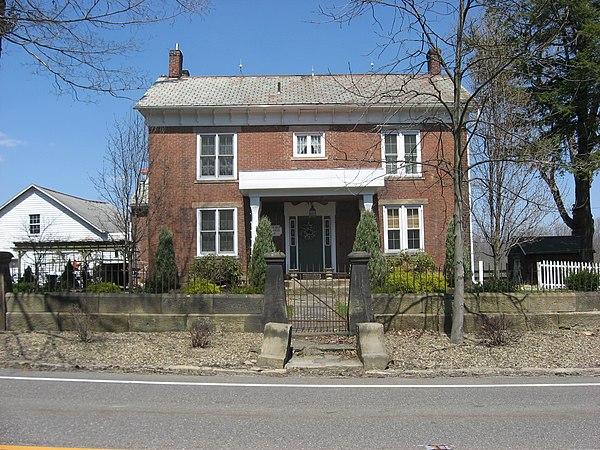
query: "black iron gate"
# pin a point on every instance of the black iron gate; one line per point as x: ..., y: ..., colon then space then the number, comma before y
x: 317, y: 303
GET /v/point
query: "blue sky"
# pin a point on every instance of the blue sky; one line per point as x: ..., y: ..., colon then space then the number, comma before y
x: 58, y: 142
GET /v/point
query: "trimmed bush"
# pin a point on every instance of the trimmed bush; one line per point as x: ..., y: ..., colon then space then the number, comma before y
x: 164, y: 276
x: 67, y: 278
x: 220, y: 270
x: 28, y: 275
x: 23, y: 287
x: 201, y: 286
x: 103, y: 288
x: 404, y: 282
x: 496, y: 285
x: 584, y: 281
x: 262, y: 244
x: 367, y: 240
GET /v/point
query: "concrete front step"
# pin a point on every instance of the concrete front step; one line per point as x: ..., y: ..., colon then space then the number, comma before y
x: 309, y: 355
x: 323, y: 362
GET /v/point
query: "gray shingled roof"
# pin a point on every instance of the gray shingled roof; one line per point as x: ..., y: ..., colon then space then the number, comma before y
x: 549, y: 245
x: 96, y: 213
x: 366, y: 89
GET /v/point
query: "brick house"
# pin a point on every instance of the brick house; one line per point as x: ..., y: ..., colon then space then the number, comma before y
x: 310, y: 152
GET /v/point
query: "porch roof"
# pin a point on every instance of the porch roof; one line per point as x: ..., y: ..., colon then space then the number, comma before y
x: 271, y: 183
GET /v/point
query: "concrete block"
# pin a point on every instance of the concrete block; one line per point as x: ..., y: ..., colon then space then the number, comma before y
x: 587, y: 301
x: 564, y: 301
x: 237, y: 323
x: 276, y: 348
x: 434, y: 304
x: 129, y: 304
x: 238, y: 304
x: 21, y: 302
x: 411, y: 322
x: 39, y: 321
x: 579, y: 320
x: 63, y: 302
x: 157, y: 322
x: 371, y: 346
x: 111, y: 322
x: 540, y: 322
x: 396, y: 304
x: 186, y: 304
x: 487, y: 303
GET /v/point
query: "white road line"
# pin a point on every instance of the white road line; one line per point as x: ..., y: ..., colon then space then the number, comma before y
x: 302, y: 386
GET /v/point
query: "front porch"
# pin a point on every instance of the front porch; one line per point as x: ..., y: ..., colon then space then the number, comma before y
x: 314, y: 213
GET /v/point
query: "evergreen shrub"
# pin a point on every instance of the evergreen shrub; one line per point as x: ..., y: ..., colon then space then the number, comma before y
x: 262, y: 244
x: 103, y: 288
x: 584, y: 281
x: 220, y: 270
x: 164, y: 276
x: 201, y: 286
x: 367, y: 239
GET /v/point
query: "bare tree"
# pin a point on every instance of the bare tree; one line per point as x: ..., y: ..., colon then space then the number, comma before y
x: 412, y: 28
x: 122, y: 182
x: 510, y: 201
x: 74, y: 41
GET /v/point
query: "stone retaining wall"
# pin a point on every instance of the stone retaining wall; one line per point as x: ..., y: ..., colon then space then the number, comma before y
x: 172, y: 312
x: 576, y: 310
x: 134, y: 312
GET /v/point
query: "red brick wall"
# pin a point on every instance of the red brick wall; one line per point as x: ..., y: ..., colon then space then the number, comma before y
x: 174, y: 190
x: 271, y: 148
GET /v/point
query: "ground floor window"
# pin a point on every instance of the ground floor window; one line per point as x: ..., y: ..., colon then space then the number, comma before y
x: 403, y: 228
x: 217, y: 231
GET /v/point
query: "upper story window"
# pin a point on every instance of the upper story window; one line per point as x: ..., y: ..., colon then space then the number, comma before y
x: 402, y: 153
x: 217, y: 155
x: 309, y: 145
x: 217, y: 231
x: 404, y: 228
x: 34, y: 224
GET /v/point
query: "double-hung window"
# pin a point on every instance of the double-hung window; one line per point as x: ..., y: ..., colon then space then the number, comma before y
x: 402, y: 153
x: 34, y: 224
x: 217, y: 156
x: 404, y: 228
x: 309, y: 145
x: 217, y: 231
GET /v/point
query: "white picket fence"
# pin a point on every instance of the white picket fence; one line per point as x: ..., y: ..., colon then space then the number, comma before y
x: 553, y: 274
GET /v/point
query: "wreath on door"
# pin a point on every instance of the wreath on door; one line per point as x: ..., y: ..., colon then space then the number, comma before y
x: 308, y: 232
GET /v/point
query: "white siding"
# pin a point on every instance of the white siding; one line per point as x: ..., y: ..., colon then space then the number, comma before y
x: 57, y: 223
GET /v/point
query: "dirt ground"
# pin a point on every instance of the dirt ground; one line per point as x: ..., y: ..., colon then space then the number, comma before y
x: 412, y: 353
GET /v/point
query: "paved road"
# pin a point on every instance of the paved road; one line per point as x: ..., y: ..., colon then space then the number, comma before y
x: 175, y: 412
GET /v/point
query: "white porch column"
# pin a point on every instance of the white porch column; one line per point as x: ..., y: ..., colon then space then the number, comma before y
x: 368, y: 202
x: 255, y: 216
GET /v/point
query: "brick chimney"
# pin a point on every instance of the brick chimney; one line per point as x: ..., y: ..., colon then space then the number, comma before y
x: 434, y: 60
x: 175, y: 62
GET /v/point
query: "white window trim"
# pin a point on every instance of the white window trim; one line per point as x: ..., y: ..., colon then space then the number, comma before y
x: 38, y: 224
x: 218, y: 251
x: 401, y: 162
x: 199, y: 175
x: 404, y: 229
x: 308, y: 154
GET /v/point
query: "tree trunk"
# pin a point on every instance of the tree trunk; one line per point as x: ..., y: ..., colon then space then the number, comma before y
x: 458, y: 304
x: 583, y: 221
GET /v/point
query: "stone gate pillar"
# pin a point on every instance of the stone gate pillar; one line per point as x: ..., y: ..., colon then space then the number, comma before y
x: 5, y: 285
x: 274, y: 309
x: 360, y: 309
